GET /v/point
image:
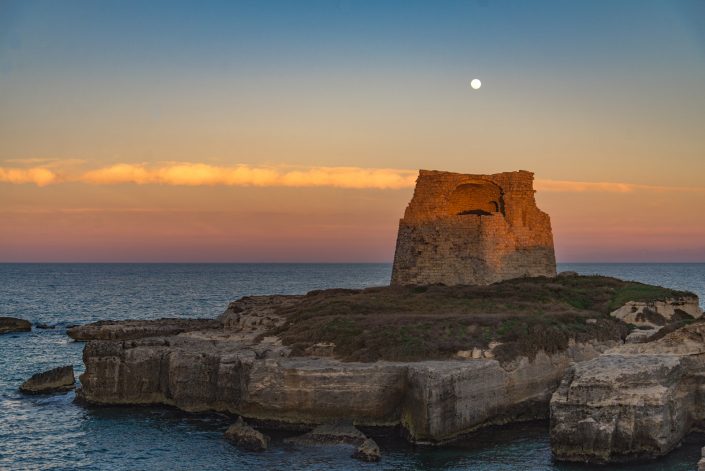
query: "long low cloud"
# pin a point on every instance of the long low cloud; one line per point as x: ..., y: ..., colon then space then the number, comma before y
x: 189, y: 174
x: 198, y: 174
x: 38, y: 175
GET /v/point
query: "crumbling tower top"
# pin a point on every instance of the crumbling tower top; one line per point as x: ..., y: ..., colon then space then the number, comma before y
x: 473, y: 229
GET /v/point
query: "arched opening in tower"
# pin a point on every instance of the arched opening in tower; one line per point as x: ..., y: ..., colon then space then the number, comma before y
x: 480, y: 198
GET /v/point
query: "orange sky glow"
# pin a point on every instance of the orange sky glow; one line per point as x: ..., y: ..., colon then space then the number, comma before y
x: 249, y: 134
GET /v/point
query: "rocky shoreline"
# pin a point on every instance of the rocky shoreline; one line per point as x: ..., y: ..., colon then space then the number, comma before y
x: 234, y: 365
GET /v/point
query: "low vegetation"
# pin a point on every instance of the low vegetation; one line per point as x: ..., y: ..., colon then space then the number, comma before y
x: 408, y: 323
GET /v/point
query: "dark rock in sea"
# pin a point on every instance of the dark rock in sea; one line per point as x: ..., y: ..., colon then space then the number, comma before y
x: 59, y: 379
x: 137, y: 329
x: 41, y: 325
x: 340, y: 433
x: 246, y: 437
x: 368, y: 451
x: 13, y: 324
x: 331, y: 434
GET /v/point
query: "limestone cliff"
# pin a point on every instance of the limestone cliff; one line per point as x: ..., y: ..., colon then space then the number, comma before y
x: 636, y: 401
x: 234, y: 367
x: 473, y: 229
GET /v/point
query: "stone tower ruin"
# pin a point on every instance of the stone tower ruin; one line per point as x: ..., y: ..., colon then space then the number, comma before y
x: 473, y: 229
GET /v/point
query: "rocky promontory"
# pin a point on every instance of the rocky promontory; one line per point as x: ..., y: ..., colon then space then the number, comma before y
x: 438, y: 361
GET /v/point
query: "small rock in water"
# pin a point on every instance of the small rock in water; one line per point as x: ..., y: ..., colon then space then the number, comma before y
x: 368, y: 451
x: 331, y: 434
x: 56, y: 380
x: 13, y: 324
x: 567, y: 273
x: 246, y: 437
x: 42, y: 325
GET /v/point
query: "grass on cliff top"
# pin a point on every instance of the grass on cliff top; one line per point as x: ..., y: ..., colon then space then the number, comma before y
x: 411, y: 323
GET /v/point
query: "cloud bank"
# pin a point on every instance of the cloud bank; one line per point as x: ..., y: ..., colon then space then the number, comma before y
x: 194, y: 174
x: 39, y: 176
x: 198, y: 174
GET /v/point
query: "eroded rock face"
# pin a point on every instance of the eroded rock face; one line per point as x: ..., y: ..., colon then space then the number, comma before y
x: 234, y: 371
x: 59, y: 379
x: 636, y: 401
x: 13, y: 324
x: 473, y: 229
x: 656, y: 314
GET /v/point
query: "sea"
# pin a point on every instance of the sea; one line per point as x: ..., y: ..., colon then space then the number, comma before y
x: 54, y: 433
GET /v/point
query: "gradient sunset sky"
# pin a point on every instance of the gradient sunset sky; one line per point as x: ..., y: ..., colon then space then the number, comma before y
x: 292, y: 131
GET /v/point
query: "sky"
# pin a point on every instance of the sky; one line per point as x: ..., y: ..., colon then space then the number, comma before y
x: 263, y: 131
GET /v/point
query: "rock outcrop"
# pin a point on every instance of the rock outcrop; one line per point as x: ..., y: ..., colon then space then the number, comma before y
x: 368, y: 451
x: 331, y: 434
x: 236, y: 371
x: 633, y: 402
x: 656, y: 314
x: 134, y: 329
x: 341, y: 434
x: 245, y: 437
x: 473, y: 229
x: 59, y: 379
x: 13, y: 324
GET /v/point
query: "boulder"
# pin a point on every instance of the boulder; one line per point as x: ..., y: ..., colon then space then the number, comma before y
x: 368, y: 451
x: 59, y: 379
x: 44, y: 326
x: 246, y: 437
x: 13, y: 324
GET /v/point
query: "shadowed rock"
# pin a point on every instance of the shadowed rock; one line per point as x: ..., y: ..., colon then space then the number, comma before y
x: 340, y: 433
x: 13, y: 324
x: 246, y: 437
x: 331, y: 434
x: 368, y: 451
x: 59, y: 379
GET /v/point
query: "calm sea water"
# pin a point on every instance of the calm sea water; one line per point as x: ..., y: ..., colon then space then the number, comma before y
x: 51, y: 432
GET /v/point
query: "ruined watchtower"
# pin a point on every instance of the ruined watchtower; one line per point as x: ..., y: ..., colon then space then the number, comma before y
x: 473, y: 229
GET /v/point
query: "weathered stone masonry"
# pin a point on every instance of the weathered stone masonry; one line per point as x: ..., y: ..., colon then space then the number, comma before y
x: 473, y: 229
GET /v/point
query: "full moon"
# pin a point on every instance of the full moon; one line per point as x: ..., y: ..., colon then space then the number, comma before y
x: 475, y: 84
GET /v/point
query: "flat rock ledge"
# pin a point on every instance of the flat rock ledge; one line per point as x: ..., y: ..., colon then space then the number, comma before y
x: 634, y: 402
x: 340, y: 433
x: 14, y: 324
x: 246, y: 437
x: 135, y: 329
x: 59, y: 379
